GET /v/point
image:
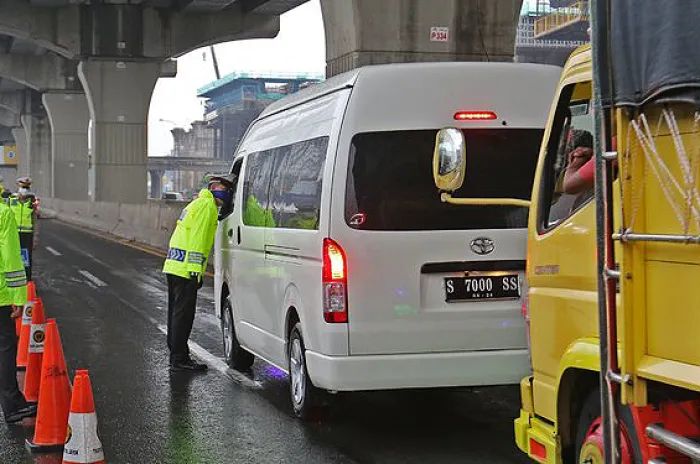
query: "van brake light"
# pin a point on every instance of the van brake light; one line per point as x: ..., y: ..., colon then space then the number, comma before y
x: 335, y: 307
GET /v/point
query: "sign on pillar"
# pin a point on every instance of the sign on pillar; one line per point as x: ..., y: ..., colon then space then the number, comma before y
x: 439, y: 34
x: 10, y: 155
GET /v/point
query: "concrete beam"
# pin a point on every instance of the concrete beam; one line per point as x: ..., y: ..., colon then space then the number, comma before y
x: 56, y: 29
x: 6, y: 135
x: 365, y: 32
x: 12, y: 101
x: 174, y: 34
x: 39, y: 72
x: 9, y: 119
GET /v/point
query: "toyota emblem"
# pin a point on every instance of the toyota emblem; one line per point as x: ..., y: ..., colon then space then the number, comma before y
x: 482, y: 245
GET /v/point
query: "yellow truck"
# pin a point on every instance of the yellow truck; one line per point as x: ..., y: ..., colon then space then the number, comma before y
x: 613, y: 269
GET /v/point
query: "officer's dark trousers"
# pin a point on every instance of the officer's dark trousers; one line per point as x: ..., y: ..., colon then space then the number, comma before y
x: 26, y: 241
x: 11, y: 399
x: 182, y: 303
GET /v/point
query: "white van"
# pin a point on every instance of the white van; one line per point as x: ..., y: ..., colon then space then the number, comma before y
x: 337, y: 259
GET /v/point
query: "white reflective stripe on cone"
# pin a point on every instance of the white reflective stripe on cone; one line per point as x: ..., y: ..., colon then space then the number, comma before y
x: 83, y: 446
x: 36, y: 338
x: 27, y: 313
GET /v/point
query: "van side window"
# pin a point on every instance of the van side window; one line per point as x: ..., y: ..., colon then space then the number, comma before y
x: 295, y: 192
x: 227, y: 208
x: 569, y: 156
x: 256, y: 208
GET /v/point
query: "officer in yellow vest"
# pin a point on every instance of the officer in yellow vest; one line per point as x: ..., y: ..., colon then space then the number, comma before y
x: 190, y: 246
x: 13, y: 295
x: 23, y: 205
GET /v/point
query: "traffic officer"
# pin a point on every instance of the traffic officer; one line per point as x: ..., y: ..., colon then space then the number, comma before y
x: 13, y: 296
x: 190, y: 246
x: 23, y: 205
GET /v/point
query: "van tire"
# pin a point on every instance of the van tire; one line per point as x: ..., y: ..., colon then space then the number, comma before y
x: 236, y: 356
x: 590, y: 412
x: 305, y: 397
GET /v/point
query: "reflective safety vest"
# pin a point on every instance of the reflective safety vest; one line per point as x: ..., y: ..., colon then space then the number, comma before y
x: 13, y: 280
x: 193, y: 238
x: 24, y: 215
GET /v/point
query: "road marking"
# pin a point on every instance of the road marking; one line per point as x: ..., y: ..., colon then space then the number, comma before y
x: 52, y: 251
x: 217, y: 363
x: 92, y: 278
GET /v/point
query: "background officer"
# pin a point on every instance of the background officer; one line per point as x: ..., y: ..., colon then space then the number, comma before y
x: 190, y: 246
x: 13, y: 295
x: 23, y: 205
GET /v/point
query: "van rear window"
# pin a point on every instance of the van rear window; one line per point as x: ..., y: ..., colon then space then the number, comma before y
x: 390, y: 184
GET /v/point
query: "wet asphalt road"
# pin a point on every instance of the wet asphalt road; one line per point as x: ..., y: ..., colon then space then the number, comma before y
x: 109, y: 301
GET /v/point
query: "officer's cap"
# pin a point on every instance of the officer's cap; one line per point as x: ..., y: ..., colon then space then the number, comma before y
x: 24, y: 182
x: 220, y: 180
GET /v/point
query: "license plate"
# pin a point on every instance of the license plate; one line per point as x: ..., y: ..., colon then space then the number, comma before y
x: 501, y: 287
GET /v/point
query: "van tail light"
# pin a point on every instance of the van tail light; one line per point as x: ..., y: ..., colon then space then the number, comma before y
x: 526, y: 309
x: 526, y: 315
x: 335, y: 283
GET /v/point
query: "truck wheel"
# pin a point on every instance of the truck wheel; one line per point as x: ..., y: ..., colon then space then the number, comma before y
x: 236, y: 356
x: 589, y: 434
x: 306, y: 398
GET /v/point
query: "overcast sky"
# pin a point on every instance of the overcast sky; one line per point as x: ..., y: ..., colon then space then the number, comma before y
x: 299, y: 47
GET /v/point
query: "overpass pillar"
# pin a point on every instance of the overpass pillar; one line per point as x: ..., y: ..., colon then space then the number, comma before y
x: 156, y: 184
x: 119, y: 96
x: 20, y: 136
x: 35, y: 158
x: 365, y: 32
x: 69, y: 118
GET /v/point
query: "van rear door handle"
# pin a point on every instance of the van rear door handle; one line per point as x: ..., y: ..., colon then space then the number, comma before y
x: 230, y: 232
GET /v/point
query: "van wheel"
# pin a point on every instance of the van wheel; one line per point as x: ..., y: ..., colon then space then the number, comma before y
x: 236, y: 356
x: 306, y: 398
x: 589, y: 434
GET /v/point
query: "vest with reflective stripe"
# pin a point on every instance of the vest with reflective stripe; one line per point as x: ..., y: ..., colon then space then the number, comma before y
x: 193, y: 237
x: 23, y: 212
x: 13, y: 281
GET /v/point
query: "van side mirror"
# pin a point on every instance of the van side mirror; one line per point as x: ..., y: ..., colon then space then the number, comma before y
x: 449, y: 159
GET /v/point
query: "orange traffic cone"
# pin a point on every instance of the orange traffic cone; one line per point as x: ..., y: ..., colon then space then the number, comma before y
x: 31, y: 296
x: 37, y: 336
x: 31, y: 291
x: 23, y: 347
x: 54, y: 395
x: 82, y: 443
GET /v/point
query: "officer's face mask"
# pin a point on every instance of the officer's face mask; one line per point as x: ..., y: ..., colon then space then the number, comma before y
x: 23, y: 191
x: 223, y: 195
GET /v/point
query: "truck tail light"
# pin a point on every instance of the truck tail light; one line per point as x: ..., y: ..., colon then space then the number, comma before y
x: 335, y: 272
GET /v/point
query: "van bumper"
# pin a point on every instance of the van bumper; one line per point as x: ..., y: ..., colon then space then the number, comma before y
x: 387, y: 372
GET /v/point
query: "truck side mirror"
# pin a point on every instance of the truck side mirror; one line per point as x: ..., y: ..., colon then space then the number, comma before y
x: 449, y: 159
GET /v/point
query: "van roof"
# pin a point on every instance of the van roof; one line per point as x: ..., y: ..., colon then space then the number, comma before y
x: 335, y: 83
x: 392, y: 73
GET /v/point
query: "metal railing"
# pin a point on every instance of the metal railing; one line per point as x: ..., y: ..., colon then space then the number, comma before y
x: 577, y: 11
x: 525, y: 37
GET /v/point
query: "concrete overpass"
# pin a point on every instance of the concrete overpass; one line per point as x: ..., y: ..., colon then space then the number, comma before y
x: 72, y: 61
